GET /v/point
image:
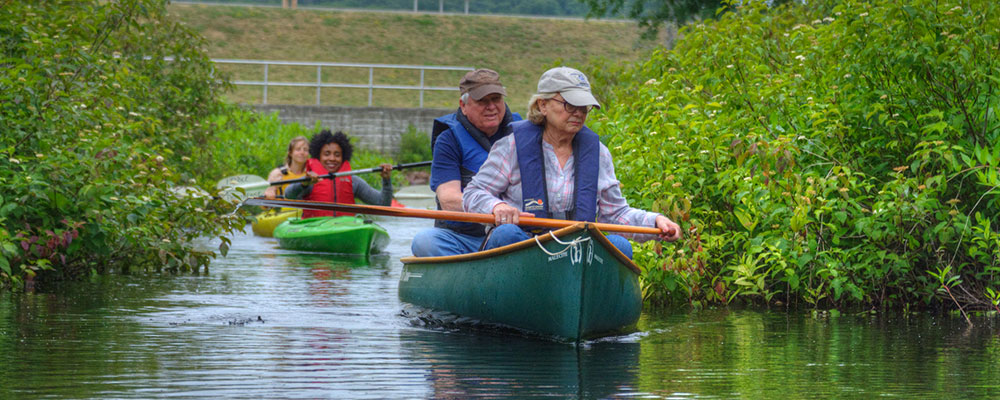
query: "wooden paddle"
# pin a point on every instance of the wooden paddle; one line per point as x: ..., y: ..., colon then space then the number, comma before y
x: 437, y: 214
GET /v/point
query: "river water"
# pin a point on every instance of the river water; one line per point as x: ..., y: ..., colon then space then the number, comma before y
x: 269, y: 323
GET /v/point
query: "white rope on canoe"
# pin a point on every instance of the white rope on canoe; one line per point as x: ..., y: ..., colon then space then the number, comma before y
x: 568, y: 244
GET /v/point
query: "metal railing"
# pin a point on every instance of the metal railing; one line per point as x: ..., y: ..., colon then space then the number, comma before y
x: 319, y: 84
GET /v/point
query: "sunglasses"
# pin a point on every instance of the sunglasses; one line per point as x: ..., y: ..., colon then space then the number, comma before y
x: 572, y: 109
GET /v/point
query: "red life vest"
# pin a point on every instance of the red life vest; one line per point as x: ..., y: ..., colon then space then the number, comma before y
x: 337, y: 190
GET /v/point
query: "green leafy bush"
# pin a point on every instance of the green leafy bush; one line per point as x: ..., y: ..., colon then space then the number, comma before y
x: 251, y: 143
x: 103, y: 108
x: 843, y: 153
x: 414, y: 146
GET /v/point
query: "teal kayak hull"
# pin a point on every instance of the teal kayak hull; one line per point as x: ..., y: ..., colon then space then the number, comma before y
x: 342, y: 235
x: 579, y: 289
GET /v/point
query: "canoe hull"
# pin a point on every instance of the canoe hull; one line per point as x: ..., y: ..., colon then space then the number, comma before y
x: 342, y: 235
x: 587, y: 290
x: 265, y: 222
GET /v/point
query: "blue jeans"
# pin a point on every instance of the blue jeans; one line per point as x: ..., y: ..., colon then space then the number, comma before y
x: 510, y: 233
x: 436, y: 242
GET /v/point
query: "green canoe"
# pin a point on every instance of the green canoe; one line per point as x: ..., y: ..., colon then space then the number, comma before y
x: 344, y: 235
x: 579, y: 287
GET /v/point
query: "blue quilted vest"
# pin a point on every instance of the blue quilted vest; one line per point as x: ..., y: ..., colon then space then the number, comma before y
x: 534, y: 194
x: 475, y: 149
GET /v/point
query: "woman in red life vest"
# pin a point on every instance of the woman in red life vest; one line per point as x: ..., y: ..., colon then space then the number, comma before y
x: 331, y: 152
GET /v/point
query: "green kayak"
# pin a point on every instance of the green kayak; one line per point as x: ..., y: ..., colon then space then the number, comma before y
x: 572, y: 284
x: 343, y: 235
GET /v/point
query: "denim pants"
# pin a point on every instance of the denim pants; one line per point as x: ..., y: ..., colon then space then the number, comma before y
x: 436, y: 242
x: 510, y: 233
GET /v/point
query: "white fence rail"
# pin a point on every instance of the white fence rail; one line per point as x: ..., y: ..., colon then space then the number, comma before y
x: 319, y: 84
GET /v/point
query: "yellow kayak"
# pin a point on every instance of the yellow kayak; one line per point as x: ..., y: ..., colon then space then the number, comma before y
x: 267, y: 220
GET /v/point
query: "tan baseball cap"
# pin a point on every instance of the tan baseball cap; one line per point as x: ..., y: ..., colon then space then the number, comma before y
x: 570, y: 83
x: 480, y: 83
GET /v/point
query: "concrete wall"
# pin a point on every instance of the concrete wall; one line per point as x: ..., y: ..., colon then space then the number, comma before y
x: 369, y: 127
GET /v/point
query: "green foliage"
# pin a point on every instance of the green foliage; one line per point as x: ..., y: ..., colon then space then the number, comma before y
x: 102, y: 108
x: 843, y: 153
x: 251, y: 143
x: 414, y: 146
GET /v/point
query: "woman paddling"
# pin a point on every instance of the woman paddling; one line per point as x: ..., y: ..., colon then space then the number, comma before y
x: 294, y: 167
x: 331, y: 152
x: 553, y: 166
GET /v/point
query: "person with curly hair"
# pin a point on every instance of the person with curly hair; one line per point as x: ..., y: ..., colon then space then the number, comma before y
x: 331, y: 152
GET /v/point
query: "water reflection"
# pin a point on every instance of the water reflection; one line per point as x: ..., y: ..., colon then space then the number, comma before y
x: 269, y: 323
x: 768, y: 354
x: 461, y: 365
x: 330, y: 275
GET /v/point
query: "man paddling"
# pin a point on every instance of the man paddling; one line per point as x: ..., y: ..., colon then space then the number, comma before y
x: 461, y: 142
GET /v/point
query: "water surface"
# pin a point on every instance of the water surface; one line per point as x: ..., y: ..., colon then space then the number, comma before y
x: 269, y: 323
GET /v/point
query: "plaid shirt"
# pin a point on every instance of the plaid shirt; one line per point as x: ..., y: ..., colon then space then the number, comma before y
x: 499, y: 180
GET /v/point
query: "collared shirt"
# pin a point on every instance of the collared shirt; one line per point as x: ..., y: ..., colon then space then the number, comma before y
x: 499, y: 180
x: 447, y: 164
x: 447, y: 151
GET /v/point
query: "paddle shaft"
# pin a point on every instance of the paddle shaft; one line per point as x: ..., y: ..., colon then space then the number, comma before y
x: 438, y: 214
x: 354, y: 172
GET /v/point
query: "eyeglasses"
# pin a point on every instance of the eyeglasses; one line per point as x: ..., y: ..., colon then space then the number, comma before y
x: 572, y: 109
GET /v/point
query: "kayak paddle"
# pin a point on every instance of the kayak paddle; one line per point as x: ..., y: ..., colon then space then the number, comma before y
x: 438, y: 214
x: 251, y: 185
x: 254, y: 186
x: 355, y: 172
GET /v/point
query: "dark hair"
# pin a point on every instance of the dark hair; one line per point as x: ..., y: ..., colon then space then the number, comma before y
x: 324, y: 137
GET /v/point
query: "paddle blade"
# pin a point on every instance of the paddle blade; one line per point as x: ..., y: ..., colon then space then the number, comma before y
x: 241, y: 187
x: 238, y: 180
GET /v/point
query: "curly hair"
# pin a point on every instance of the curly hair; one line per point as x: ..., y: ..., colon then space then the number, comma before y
x: 324, y: 138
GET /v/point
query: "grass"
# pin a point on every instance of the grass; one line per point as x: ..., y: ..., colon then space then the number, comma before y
x: 519, y: 48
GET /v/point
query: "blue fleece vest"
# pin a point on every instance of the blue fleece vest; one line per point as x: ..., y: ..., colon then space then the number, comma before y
x: 534, y: 193
x: 475, y: 150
